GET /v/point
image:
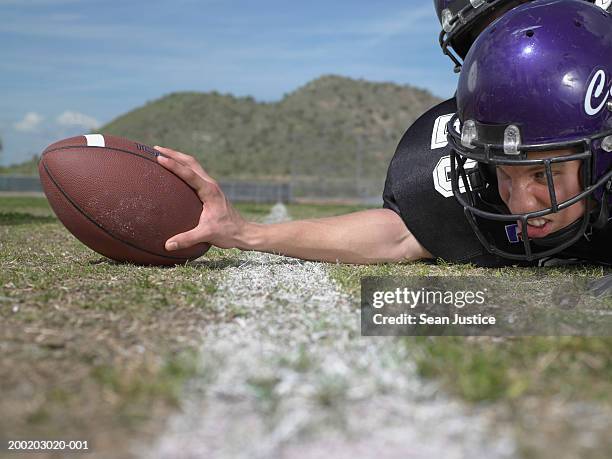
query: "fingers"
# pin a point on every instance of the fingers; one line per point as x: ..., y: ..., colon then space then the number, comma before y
x: 186, y: 240
x: 187, y: 160
x: 206, y: 190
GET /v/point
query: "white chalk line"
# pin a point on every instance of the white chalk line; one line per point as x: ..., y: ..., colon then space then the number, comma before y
x: 293, y: 378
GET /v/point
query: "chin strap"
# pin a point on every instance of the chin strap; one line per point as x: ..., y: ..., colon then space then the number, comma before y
x: 604, y: 209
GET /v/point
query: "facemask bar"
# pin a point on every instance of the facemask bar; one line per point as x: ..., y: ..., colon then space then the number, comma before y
x: 484, y: 152
x: 455, y: 19
x: 469, y: 202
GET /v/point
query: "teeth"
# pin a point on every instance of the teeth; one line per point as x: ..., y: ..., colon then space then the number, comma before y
x: 537, y: 222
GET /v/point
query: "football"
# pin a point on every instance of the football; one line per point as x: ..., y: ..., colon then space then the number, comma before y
x: 116, y: 199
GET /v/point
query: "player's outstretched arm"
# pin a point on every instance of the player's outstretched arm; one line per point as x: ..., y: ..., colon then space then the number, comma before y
x: 370, y: 236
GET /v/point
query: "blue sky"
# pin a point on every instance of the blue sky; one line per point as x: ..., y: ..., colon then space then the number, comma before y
x: 69, y: 65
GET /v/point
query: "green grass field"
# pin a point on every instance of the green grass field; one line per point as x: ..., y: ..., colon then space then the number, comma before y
x: 88, y: 342
x: 96, y: 350
x: 483, y: 369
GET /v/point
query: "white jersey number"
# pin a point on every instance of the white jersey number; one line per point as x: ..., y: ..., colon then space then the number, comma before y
x: 442, y: 171
x: 442, y: 176
x: 440, y: 131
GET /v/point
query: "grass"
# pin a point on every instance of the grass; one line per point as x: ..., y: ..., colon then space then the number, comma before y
x: 100, y: 346
x: 508, y: 370
x: 103, y: 349
x: 94, y: 346
x: 303, y: 211
x: 544, y: 389
x: 44, y: 266
x: 505, y: 369
x: 167, y: 384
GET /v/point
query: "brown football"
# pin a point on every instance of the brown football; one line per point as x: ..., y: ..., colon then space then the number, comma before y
x: 115, y: 198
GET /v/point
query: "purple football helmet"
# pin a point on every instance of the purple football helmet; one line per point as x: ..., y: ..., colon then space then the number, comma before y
x: 463, y: 20
x: 538, y: 79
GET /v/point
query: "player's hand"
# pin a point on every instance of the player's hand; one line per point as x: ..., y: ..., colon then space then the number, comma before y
x: 220, y: 224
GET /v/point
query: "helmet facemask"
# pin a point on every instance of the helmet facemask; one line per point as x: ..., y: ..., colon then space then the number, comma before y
x: 500, y: 145
x: 462, y: 22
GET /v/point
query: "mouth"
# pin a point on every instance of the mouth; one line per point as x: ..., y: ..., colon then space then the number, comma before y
x: 537, y: 227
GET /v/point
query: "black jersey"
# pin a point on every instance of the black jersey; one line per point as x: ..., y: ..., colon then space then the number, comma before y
x: 418, y: 188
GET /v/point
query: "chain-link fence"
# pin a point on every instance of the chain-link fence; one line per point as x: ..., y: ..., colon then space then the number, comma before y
x: 325, y: 189
x: 20, y: 183
x: 299, y: 189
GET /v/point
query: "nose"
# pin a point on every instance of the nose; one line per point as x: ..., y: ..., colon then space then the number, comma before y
x: 527, y: 197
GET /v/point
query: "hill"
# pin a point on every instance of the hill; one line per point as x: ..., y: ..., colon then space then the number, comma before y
x: 332, y: 126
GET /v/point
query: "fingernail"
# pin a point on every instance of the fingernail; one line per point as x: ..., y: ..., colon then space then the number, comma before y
x: 171, y: 246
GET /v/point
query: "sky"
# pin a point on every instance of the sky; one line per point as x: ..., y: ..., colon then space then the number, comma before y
x: 69, y: 66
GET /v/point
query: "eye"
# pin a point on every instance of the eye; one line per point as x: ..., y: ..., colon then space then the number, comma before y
x: 541, y: 175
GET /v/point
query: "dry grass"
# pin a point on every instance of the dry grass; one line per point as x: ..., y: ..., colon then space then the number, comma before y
x: 90, y: 348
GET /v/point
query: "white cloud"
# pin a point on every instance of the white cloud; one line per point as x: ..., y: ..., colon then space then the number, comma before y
x: 69, y: 118
x: 30, y: 122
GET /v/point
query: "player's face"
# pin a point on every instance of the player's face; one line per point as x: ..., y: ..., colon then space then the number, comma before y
x: 524, y: 189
